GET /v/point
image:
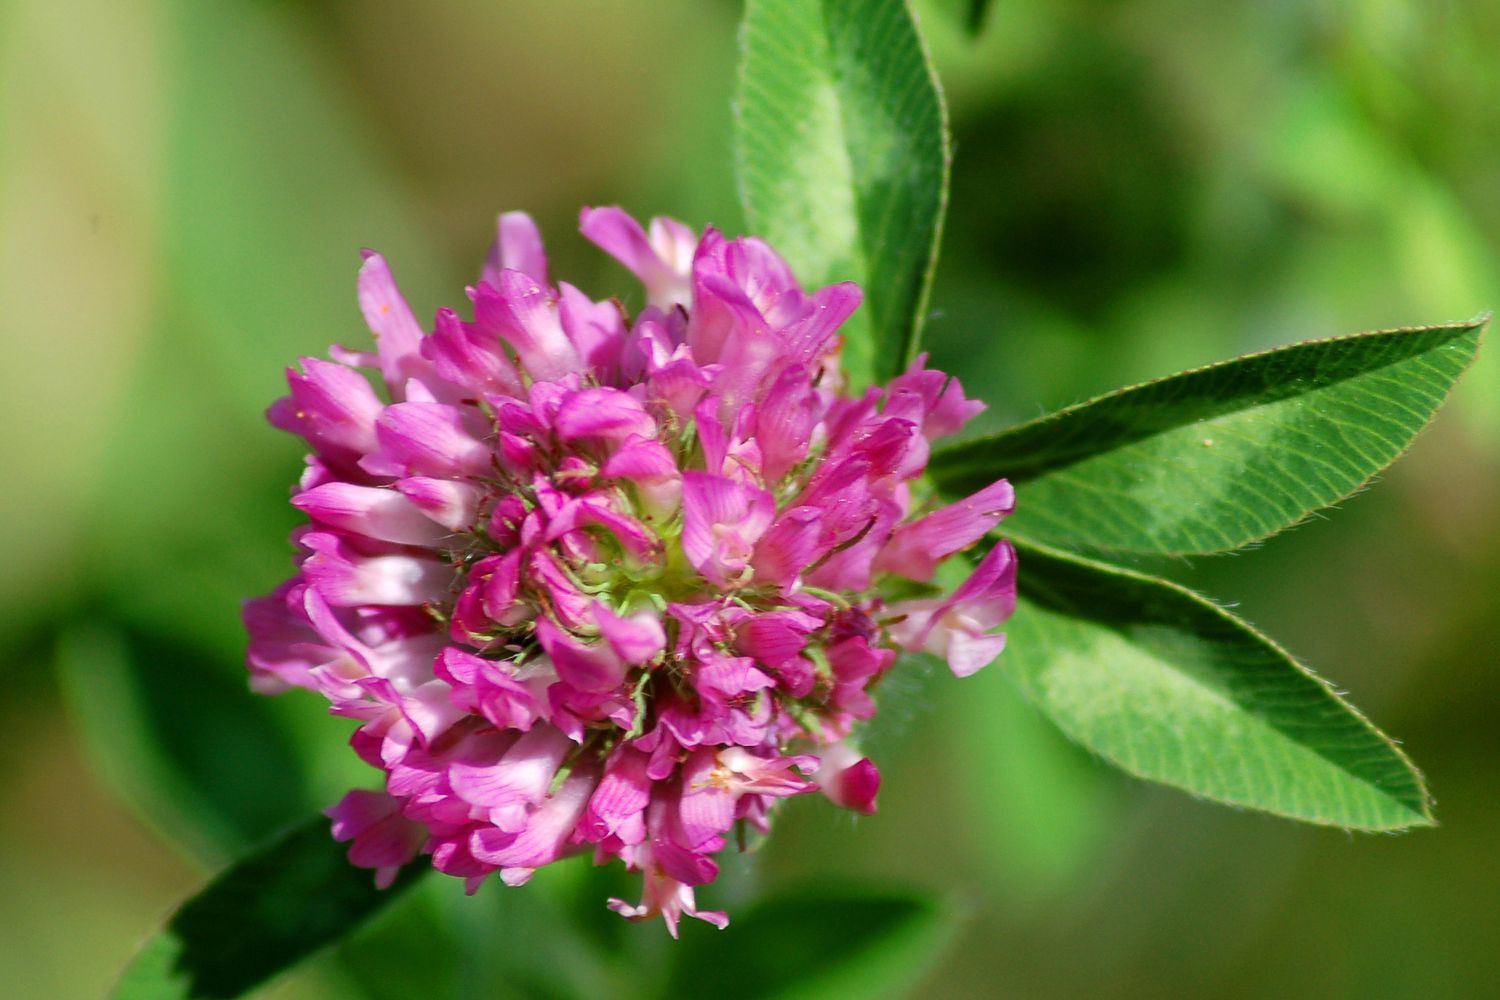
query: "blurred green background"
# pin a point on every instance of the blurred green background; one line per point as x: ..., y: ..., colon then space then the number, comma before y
x: 1139, y: 187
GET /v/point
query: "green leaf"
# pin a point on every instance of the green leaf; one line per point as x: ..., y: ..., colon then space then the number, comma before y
x: 813, y: 944
x: 1212, y: 459
x: 975, y: 16
x: 440, y: 944
x: 1049, y: 808
x: 262, y: 916
x: 1169, y: 686
x: 841, y: 149
x: 174, y: 731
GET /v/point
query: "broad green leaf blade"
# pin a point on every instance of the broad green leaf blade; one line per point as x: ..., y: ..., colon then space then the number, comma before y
x: 841, y: 149
x: 266, y: 913
x: 174, y: 731
x: 1212, y: 459
x: 813, y: 944
x: 1168, y: 686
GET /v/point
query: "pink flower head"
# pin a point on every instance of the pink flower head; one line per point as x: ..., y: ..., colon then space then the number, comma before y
x: 599, y: 585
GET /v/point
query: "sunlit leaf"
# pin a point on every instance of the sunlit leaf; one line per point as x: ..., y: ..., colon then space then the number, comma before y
x: 842, y: 154
x: 1169, y: 686
x: 1212, y: 459
x: 269, y: 911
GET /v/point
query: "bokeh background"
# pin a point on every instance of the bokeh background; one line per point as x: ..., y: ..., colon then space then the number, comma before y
x: 1139, y: 187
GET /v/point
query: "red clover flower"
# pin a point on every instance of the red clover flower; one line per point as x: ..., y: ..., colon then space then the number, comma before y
x: 595, y: 584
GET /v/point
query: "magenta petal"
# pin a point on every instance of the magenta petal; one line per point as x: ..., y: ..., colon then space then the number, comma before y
x: 470, y: 355
x: 398, y: 336
x: 916, y: 549
x: 449, y: 503
x: 661, y: 261
x: 957, y: 627
x: 383, y: 838
x: 376, y: 513
x: 518, y: 247
x: 774, y: 638
x: 642, y: 460
x: 593, y: 667
x: 597, y: 330
x: 524, y: 313
x: 521, y: 776
x: 722, y: 520
x: 989, y: 594
x: 330, y: 405
x: 430, y: 439
x: 849, y: 780
x: 827, y: 311
x: 775, y: 776
x: 966, y: 653
x: 725, y: 677
x: 706, y: 811
x: 945, y: 408
x: 618, y: 805
x: 484, y: 687
x: 792, y: 544
x: 784, y: 423
x: 636, y: 639
x: 346, y: 578
x: 608, y: 414
x: 545, y: 834
x: 665, y: 896
x: 857, y: 785
x: 683, y: 864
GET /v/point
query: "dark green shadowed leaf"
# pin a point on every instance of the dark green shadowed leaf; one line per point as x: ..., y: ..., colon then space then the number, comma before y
x: 1212, y: 459
x: 172, y: 728
x: 1169, y: 686
x: 974, y: 15
x: 266, y: 913
x: 841, y: 150
x: 814, y: 944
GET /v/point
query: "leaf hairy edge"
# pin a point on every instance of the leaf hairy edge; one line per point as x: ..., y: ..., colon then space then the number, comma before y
x: 1171, y: 687
x: 842, y: 157
x: 1108, y: 476
x: 262, y: 915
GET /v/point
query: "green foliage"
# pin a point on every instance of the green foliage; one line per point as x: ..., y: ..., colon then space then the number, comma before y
x: 842, y: 157
x: 1048, y: 806
x: 270, y: 910
x: 179, y: 738
x: 812, y: 945
x: 1216, y: 458
x: 559, y: 940
x: 299, y: 894
x: 1172, y: 687
x: 842, y: 154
